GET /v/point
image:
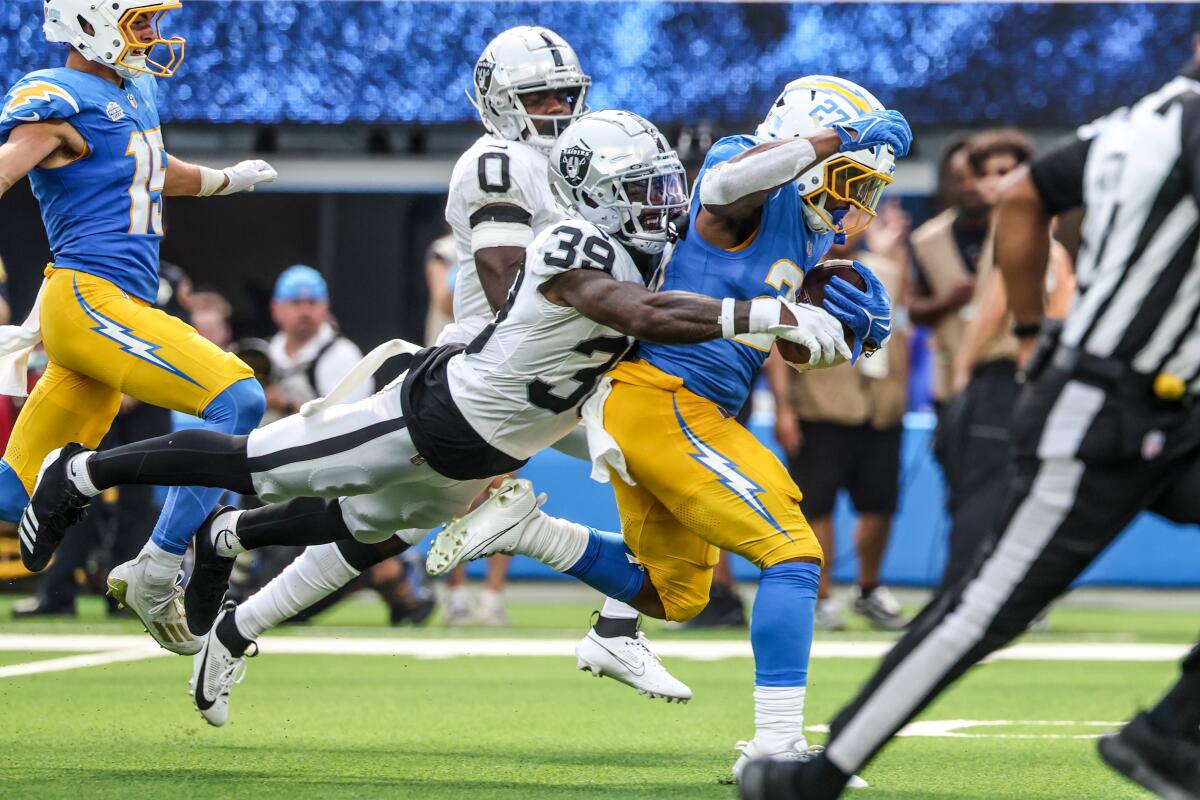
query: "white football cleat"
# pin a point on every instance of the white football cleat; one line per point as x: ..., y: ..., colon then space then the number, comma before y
x: 215, y: 671
x: 160, y: 608
x: 494, y: 527
x: 630, y: 660
x: 798, y: 750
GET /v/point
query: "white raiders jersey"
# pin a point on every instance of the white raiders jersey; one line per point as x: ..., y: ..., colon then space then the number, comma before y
x: 521, y: 382
x: 493, y: 171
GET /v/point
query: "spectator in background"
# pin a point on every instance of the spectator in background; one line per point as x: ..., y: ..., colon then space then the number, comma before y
x: 440, y: 272
x: 974, y: 429
x: 946, y: 252
x: 841, y: 428
x: 308, y: 353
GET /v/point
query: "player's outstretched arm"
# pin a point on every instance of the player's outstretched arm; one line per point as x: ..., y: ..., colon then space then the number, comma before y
x: 1023, y: 247
x: 29, y: 145
x: 737, y: 188
x: 192, y: 180
x: 685, y: 318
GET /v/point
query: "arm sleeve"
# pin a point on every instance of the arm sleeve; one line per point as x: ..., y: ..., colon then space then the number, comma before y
x: 35, y: 100
x: 1058, y: 173
x: 333, y: 366
x: 496, y: 201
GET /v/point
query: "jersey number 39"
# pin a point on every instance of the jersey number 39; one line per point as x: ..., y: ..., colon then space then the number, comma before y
x: 149, y: 177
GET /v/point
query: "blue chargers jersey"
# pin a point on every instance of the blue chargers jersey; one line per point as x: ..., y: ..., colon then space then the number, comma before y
x: 772, y: 264
x: 102, y: 212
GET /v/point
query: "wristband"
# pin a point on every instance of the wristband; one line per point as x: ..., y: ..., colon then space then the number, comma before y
x: 211, y: 181
x: 1026, y: 330
x: 727, y: 318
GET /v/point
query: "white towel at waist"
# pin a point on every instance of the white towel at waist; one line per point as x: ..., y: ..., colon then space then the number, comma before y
x: 16, y: 343
x: 605, y: 453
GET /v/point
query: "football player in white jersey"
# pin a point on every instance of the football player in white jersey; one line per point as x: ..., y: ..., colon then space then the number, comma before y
x: 418, y: 451
x: 527, y: 86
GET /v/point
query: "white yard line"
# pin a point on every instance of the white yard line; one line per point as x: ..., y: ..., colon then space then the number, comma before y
x: 696, y: 650
x: 77, y: 662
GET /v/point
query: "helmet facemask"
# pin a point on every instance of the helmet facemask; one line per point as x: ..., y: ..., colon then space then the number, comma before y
x: 637, y: 206
x: 139, y: 56
x: 540, y: 130
x: 857, y: 188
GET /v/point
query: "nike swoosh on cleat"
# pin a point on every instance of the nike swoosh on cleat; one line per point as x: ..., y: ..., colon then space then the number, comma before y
x: 202, y: 702
x: 637, y: 669
x: 483, y: 545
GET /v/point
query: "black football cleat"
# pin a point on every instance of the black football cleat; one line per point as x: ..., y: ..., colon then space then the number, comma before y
x: 54, y: 506
x: 1168, y: 766
x: 809, y: 779
x: 210, y: 578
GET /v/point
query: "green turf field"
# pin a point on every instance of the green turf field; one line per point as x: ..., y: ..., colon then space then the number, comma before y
x: 533, y: 727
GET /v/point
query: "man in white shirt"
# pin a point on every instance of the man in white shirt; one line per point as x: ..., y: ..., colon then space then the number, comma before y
x: 309, y: 355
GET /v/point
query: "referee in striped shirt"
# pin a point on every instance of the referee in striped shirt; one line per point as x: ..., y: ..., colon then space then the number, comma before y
x: 1108, y: 426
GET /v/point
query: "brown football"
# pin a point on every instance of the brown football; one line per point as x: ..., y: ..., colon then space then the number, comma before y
x: 812, y: 291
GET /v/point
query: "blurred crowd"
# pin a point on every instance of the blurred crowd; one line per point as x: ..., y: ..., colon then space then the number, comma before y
x: 839, y: 431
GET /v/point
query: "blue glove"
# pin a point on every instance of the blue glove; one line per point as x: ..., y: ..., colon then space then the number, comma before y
x: 876, y: 127
x: 868, y: 314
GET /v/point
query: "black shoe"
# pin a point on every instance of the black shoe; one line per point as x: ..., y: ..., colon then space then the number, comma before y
x: 37, y: 607
x: 210, y: 579
x: 414, y: 612
x: 1168, y: 766
x: 55, y: 506
x: 724, y: 610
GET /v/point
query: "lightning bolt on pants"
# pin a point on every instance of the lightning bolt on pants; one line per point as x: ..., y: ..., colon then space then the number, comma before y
x: 103, y: 344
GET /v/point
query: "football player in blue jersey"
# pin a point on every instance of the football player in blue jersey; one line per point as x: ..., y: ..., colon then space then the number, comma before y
x: 88, y: 136
x: 766, y: 208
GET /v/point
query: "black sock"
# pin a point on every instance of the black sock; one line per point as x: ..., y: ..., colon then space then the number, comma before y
x: 230, y: 636
x: 364, y: 556
x: 866, y: 590
x: 610, y: 628
x: 301, y: 522
x: 185, y: 458
x: 1178, y: 713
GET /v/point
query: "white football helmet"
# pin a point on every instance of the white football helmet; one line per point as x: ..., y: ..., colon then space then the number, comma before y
x: 616, y: 170
x: 809, y: 104
x: 112, y: 39
x: 520, y: 61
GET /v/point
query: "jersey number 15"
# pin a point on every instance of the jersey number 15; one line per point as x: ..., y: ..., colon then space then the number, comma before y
x: 149, y: 177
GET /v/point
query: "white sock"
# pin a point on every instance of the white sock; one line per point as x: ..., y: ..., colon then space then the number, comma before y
x: 78, y: 474
x: 318, y: 572
x: 162, y: 567
x: 490, y: 599
x: 615, y: 609
x: 778, y: 717
x: 558, y: 543
x: 224, y: 533
x: 457, y: 597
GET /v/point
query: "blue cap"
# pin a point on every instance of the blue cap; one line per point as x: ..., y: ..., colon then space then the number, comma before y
x: 300, y: 283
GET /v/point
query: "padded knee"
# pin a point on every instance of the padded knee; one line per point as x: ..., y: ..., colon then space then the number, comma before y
x: 13, y: 497
x: 239, y: 408
x: 682, y: 609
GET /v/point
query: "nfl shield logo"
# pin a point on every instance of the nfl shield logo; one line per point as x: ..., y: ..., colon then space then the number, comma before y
x: 132, y: 99
x: 573, y: 164
x: 483, y: 75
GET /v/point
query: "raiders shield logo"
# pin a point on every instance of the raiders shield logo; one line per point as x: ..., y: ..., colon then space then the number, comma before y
x: 573, y: 164
x: 483, y: 75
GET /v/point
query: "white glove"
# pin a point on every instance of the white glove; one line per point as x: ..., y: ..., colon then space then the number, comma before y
x: 245, y: 175
x: 818, y: 331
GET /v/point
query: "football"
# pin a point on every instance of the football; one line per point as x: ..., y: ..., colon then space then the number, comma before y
x: 812, y: 291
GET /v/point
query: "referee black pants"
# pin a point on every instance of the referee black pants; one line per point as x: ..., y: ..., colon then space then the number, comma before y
x: 1088, y: 458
